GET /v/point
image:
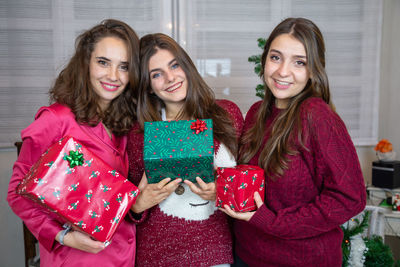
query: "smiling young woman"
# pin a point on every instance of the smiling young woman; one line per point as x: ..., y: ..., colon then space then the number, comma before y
x: 286, y: 73
x: 108, y: 69
x: 94, y: 102
x: 313, y: 181
x: 184, y: 225
x: 168, y: 81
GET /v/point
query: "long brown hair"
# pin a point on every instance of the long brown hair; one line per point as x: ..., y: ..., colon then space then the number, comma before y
x: 200, y: 100
x: 73, y: 87
x: 274, y: 155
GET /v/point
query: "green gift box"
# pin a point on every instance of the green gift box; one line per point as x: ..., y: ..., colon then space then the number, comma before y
x: 179, y: 149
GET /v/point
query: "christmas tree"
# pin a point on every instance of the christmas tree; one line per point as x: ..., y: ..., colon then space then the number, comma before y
x: 257, y: 69
x: 360, y: 250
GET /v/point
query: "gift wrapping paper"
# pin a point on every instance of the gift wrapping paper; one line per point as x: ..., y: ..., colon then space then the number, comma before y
x: 179, y: 149
x: 236, y: 186
x: 83, y: 190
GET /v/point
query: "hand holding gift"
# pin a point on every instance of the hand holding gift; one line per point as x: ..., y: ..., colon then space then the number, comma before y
x: 240, y: 189
x: 206, y: 191
x: 153, y: 194
x: 82, y: 241
x: 245, y: 216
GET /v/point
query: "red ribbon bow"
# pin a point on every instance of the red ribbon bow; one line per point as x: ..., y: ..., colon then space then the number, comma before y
x: 199, y: 126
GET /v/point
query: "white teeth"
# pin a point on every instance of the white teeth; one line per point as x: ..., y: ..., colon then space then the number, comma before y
x: 109, y: 86
x: 173, y: 88
x: 282, y: 83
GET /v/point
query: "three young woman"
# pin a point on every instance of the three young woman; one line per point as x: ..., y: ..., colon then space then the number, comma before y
x: 94, y: 101
x: 313, y: 178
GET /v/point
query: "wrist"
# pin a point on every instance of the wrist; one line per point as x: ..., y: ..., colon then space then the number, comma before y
x: 136, y: 208
x: 63, y: 233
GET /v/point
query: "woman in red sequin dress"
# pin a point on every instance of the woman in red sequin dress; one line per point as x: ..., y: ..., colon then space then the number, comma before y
x: 182, y: 227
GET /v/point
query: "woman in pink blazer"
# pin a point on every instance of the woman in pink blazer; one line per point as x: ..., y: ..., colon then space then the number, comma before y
x: 94, y: 101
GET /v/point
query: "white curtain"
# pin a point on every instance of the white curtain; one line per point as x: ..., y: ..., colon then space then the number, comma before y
x: 221, y: 35
x: 37, y: 38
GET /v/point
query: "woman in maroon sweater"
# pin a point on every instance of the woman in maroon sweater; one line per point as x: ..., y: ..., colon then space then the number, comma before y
x: 313, y: 178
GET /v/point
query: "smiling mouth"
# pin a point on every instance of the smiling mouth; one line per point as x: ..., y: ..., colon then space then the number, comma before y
x: 197, y: 205
x: 174, y: 87
x: 109, y: 87
x: 282, y: 84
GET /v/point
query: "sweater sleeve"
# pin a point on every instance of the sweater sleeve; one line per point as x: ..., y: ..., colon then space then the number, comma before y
x: 37, y: 137
x: 136, y: 166
x: 342, y: 191
x: 251, y: 116
x: 235, y: 114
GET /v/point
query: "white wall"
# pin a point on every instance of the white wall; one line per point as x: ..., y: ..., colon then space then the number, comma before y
x: 389, y: 118
x: 389, y: 91
x: 11, y: 239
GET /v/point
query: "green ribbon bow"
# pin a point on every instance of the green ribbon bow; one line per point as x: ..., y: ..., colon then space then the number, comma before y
x: 74, y: 158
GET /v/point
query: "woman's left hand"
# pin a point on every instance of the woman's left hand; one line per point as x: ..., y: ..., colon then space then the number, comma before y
x: 206, y: 191
x: 245, y: 216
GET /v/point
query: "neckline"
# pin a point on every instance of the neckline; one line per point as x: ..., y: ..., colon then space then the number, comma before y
x: 163, y: 114
x: 276, y: 110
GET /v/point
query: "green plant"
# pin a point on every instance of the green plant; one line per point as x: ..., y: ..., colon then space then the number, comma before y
x: 257, y: 69
x: 376, y: 253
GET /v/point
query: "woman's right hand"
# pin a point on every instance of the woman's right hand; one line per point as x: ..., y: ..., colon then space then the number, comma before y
x: 82, y: 241
x: 152, y: 194
x: 245, y: 216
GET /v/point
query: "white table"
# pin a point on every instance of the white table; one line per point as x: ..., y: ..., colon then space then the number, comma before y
x: 383, y: 220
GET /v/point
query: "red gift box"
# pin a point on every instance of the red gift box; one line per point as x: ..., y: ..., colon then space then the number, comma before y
x: 82, y: 189
x: 236, y: 187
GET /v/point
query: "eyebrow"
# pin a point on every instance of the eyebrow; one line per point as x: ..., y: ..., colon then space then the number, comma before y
x: 109, y: 60
x: 169, y: 64
x: 296, y: 56
x: 103, y: 58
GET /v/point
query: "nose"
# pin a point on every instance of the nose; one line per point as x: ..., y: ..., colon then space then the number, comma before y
x: 113, y: 74
x: 169, y: 75
x: 283, y: 69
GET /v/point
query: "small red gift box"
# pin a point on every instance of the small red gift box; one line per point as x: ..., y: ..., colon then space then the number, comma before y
x: 236, y: 187
x: 82, y: 189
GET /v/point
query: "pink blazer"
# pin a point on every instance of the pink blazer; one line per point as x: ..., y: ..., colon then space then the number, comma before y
x: 52, y: 123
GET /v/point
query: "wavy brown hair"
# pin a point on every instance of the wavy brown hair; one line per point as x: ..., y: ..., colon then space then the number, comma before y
x: 287, y: 126
x: 200, y: 100
x: 74, y: 89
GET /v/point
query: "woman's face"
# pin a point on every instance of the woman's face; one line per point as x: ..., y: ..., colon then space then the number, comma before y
x: 168, y: 80
x: 109, y: 69
x: 286, y: 73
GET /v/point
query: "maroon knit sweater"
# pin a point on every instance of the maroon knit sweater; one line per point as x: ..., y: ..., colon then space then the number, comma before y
x: 299, y: 225
x: 165, y: 240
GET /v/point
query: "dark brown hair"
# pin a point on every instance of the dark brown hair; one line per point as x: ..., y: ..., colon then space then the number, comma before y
x: 73, y: 87
x: 273, y: 157
x: 200, y: 100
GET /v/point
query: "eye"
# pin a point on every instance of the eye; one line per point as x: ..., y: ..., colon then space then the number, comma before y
x: 274, y: 58
x: 155, y: 75
x: 175, y: 66
x: 300, y: 63
x: 102, y: 62
x: 124, y: 67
